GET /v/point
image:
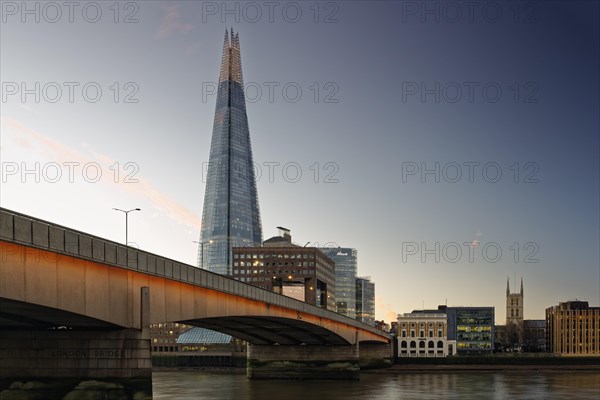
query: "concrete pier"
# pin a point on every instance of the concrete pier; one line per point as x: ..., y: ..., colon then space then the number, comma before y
x: 373, y: 355
x: 303, y: 362
x: 72, y: 365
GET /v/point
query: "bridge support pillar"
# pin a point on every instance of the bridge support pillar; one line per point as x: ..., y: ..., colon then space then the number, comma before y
x: 70, y: 365
x: 303, y: 362
x: 375, y: 355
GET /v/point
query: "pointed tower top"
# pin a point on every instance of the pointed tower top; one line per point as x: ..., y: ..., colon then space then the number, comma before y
x: 225, y: 58
x: 236, y: 59
x: 507, y: 285
x: 231, y: 64
x: 521, y: 285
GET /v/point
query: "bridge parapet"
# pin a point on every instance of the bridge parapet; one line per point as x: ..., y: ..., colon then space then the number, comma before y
x: 33, y: 232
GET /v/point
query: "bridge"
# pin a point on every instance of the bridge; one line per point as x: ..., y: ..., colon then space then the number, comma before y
x: 75, y: 311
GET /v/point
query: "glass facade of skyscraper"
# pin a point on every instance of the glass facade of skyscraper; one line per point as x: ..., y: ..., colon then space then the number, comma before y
x: 345, y: 278
x: 230, y: 216
x: 365, y: 300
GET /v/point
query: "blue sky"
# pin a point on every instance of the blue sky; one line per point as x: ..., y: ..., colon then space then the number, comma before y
x: 389, y: 91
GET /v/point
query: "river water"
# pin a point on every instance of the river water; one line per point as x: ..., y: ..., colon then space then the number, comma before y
x: 530, y: 385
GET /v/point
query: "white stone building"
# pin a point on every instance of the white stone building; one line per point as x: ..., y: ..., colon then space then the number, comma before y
x: 424, y: 334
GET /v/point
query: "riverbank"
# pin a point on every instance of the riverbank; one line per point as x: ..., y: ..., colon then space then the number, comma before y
x: 398, y: 368
x: 498, y: 362
x: 209, y: 369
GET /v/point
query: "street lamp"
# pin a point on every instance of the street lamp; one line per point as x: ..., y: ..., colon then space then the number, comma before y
x: 202, y: 251
x: 126, y: 220
x: 126, y: 231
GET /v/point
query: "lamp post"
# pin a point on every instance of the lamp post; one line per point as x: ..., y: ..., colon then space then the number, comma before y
x: 126, y: 212
x: 202, y: 251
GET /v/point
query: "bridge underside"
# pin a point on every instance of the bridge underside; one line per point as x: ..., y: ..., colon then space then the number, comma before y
x: 17, y: 315
x: 271, y: 330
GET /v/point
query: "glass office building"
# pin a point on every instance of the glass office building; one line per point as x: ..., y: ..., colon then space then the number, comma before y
x: 472, y: 328
x: 365, y: 300
x: 345, y: 278
x: 230, y: 217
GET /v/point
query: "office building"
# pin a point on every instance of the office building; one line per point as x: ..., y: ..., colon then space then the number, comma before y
x: 304, y: 273
x: 573, y: 329
x: 230, y: 217
x: 472, y: 328
x: 345, y: 260
x: 365, y: 300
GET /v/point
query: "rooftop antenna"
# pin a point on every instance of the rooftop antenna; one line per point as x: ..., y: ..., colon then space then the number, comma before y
x: 306, y: 244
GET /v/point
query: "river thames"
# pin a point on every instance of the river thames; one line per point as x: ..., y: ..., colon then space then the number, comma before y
x: 385, y: 386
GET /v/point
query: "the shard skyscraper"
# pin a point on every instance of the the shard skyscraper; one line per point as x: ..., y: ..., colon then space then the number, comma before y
x: 230, y: 217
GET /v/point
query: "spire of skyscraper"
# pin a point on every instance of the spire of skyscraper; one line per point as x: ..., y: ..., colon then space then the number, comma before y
x: 231, y: 216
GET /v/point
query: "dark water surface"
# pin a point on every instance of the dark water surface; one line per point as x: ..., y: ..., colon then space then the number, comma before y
x: 385, y: 386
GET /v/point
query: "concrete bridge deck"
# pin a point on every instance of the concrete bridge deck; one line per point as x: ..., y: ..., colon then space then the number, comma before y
x: 56, y: 282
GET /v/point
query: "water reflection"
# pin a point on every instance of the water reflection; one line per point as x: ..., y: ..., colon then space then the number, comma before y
x: 528, y: 385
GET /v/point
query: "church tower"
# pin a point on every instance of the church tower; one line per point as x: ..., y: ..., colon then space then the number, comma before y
x: 514, y: 306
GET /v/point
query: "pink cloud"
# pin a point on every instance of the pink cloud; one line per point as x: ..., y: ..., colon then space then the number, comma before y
x: 56, y: 151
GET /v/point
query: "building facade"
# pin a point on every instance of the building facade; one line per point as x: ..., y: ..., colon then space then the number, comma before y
x: 163, y: 337
x: 514, y: 313
x: 472, y: 328
x: 345, y: 260
x: 424, y: 334
x: 573, y: 329
x: 304, y: 273
x: 230, y: 217
x: 365, y: 300
x: 534, y: 335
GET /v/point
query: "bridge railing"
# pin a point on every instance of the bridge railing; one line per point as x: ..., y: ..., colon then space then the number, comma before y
x: 20, y: 228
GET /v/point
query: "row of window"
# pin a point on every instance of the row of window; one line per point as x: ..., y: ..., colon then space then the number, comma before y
x: 422, y: 344
x: 268, y: 256
x: 422, y: 333
x: 469, y: 337
x: 421, y: 324
x: 168, y: 325
x: 463, y: 328
x: 274, y: 272
x: 269, y: 264
x: 474, y: 345
x: 164, y: 348
x: 252, y: 279
x: 161, y: 340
